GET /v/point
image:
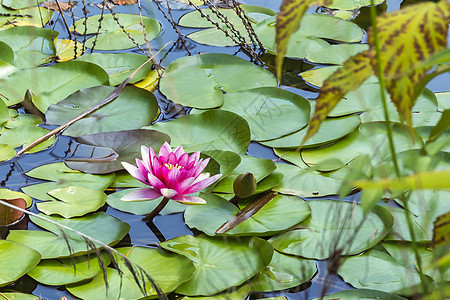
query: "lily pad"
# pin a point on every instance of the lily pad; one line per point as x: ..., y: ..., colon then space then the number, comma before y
x: 126, y: 143
x: 269, y: 111
x: 360, y: 294
x: 16, y: 261
x: 71, y: 76
x: 111, y: 35
x: 125, y: 180
x: 25, y: 135
x: 201, y: 81
x: 261, y: 168
x: 8, y: 194
x: 62, y: 271
x: 133, y: 109
x: 6, y: 152
x: 222, y: 263
x: 6, y: 53
x: 211, y: 130
x: 32, y: 16
x: 6, y: 69
x: 305, y: 183
x: 351, y: 4
x: 61, y: 176
x: 72, y: 201
x: 32, y: 46
x: 314, y: 28
x: 382, y: 273
x: 168, y: 270
x: 336, y: 54
x: 99, y: 226
x: 335, y: 226
x: 16, y: 4
x: 4, y: 114
x: 20, y: 296
x: 283, y: 272
x: 279, y: 214
x: 119, y: 65
x: 142, y: 207
x: 331, y: 130
x: 23, y: 119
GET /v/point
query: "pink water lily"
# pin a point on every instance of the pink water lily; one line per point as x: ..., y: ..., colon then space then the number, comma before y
x: 173, y: 174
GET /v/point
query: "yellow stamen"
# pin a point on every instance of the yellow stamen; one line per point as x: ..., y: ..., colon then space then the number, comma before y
x: 170, y: 166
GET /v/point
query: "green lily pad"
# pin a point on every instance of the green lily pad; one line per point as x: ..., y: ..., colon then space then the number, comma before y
x: 142, y: 207
x: 25, y: 135
x: 361, y: 294
x: 20, y: 296
x: 71, y: 75
x: 214, y: 37
x: 8, y: 194
x: 331, y: 130
x: 111, y: 36
x: 351, y: 4
x: 33, y: 16
x: 133, y: 109
x: 261, y: 168
x: 279, y: 214
x: 309, y: 38
x: 16, y: 261
x: 168, y: 270
x: 61, y: 176
x: 72, y: 201
x: 222, y: 263
x: 119, y: 65
x: 382, y: 273
x: 6, y: 53
x: 125, y: 180
x: 62, y: 271
x: 211, y: 130
x: 269, y: 111
x: 335, y: 226
x: 233, y: 293
x: 227, y: 161
x: 126, y: 143
x: 6, y: 152
x: 200, y: 81
x: 305, y: 183
x: 23, y: 120
x: 99, y: 226
x: 16, y: 4
x: 4, y: 114
x: 443, y: 99
x: 6, y: 69
x: 32, y: 46
x: 370, y: 139
x: 283, y: 272
x: 336, y: 54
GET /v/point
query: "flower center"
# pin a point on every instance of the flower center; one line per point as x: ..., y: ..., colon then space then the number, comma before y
x: 170, y: 166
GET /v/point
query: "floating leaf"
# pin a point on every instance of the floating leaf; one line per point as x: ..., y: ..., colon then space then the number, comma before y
x: 68, y: 270
x: 133, y: 109
x: 61, y: 176
x: 25, y: 135
x: 201, y: 81
x: 168, y: 270
x: 8, y: 215
x: 6, y: 152
x: 336, y: 54
x: 72, y: 201
x: 68, y: 49
x: 222, y: 263
x: 33, y: 16
x: 99, y: 226
x: 16, y: 261
x: 277, y: 215
x: 17, y: 4
x: 120, y: 65
x: 111, y: 35
x: 19, y: 296
x: 359, y: 294
x: 6, y: 53
x: 32, y: 47
x: 335, y: 226
x: 72, y: 76
x: 283, y: 272
x: 126, y: 143
x: 211, y: 130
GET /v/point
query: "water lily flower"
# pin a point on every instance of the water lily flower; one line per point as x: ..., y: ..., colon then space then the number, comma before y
x: 173, y: 174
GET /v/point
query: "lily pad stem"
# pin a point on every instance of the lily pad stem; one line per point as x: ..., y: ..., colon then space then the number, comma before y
x: 156, y: 211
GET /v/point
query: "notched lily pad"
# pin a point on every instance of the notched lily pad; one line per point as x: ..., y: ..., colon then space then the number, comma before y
x: 25, y: 135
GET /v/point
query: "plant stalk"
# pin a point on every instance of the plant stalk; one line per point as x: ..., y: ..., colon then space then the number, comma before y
x: 157, y: 210
x: 382, y: 85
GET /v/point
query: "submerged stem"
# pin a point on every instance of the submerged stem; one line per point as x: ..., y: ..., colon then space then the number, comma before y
x: 156, y: 211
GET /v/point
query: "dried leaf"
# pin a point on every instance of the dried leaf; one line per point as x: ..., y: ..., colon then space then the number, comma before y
x: 64, y: 5
x: 124, y: 2
x: 9, y: 215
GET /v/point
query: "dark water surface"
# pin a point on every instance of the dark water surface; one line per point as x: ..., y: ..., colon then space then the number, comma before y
x: 170, y: 226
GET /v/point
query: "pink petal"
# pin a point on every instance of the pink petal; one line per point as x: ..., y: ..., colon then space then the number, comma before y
x: 156, y: 167
x: 201, y: 177
x: 168, y: 193
x: 172, y: 177
x: 183, y: 185
x: 183, y: 159
x: 144, y: 194
x: 134, y: 172
x: 155, y: 182
x: 189, y: 199
x: 146, y: 158
x: 141, y: 167
x: 172, y: 159
x: 179, y: 151
x: 164, y: 150
x: 202, y: 184
x: 194, y: 158
x: 200, y: 167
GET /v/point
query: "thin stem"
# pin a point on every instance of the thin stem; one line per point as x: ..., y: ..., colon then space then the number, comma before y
x: 156, y: 211
x: 391, y: 141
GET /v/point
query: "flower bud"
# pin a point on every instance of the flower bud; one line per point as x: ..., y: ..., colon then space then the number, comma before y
x: 244, y: 185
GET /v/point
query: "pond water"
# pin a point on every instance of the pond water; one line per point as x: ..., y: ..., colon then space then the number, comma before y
x: 166, y: 227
